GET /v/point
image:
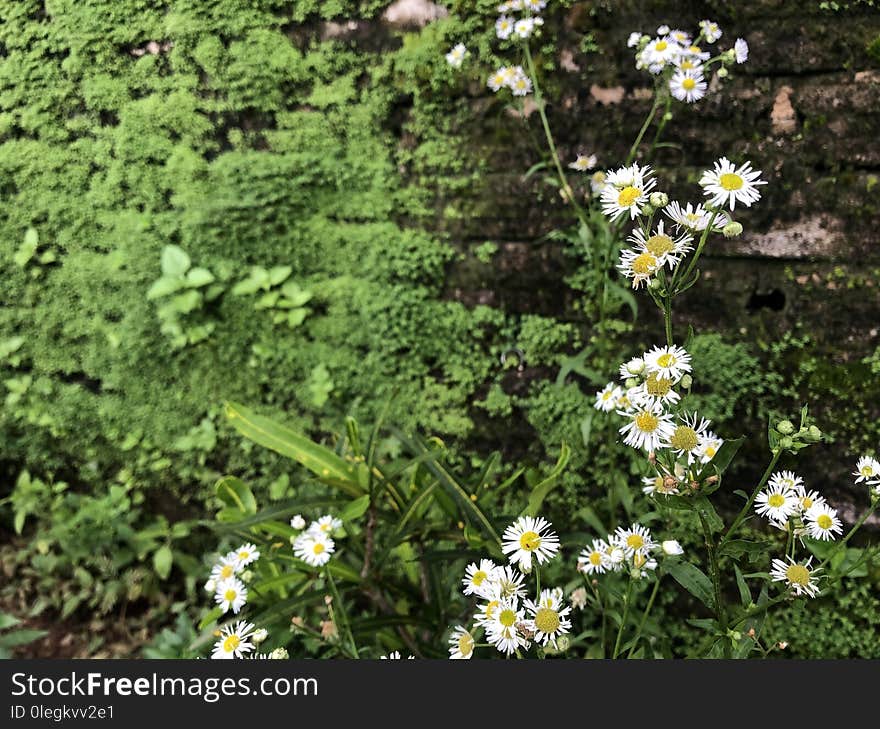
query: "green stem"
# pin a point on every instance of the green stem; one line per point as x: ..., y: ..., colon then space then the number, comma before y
x: 745, y: 510
x: 601, y: 608
x: 662, y: 125
x: 842, y: 543
x: 538, y: 581
x: 626, y: 601
x: 667, y: 317
x: 648, y: 607
x: 696, y: 256
x: 720, y: 609
x: 340, y: 611
x: 648, y: 119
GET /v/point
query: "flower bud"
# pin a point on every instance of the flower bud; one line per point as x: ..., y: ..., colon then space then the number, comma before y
x: 786, y: 442
x: 722, y: 73
x: 814, y: 434
x: 562, y: 643
x: 648, y: 209
x: 247, y: 576
x: 654, y: 284
x: 659, y: 199
x: 672, y: 548
x: 635, y: 366
x: 687, y: 381
x: 259, y: 636
x: 297, y: 522
x: 210, y: 586
x: 279, y: 654
x: 631, y: 382
x: 786, y: 427
x: 732, y: 229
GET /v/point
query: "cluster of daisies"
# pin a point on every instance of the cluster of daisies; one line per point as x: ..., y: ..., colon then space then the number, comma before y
x: 630, y: 192
x: 868, y: 472
x: 314, y: 545
x: 677, y: 442
x: 633, y: 549
x: 519, y: 21
x: 682, y: 60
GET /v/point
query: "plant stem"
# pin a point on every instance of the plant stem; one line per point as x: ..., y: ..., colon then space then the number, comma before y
x: 745, y: 510
x: 720, y: 609
x: 601, y: 607
x: 635, y: 147
x: 648, y: 607
x: 667, y: 317
x: 842, y: 543
x: 538, y: 581
x: 340, y: 611
x: 626, y: 601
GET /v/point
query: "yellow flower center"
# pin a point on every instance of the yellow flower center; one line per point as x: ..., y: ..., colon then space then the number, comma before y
x: 230, y: 595
x: 628, y: 195
x: 231, y: 643
x: 547, y: 620
x: 478, y: 577
x: 227, y: 571
x: 806, y: 502
x: 687, y: 65
x: 607, y: 395
x: 490, y: 608
x: 466, y: 644
x: 635, y: 541
x: 797, y: 574
x: 824, y: 521
x: 318, y: 548
x: 325, y: 527
x: 666, y: 360
x: 688, y: 84
x: 662, y: 46
x: 644, y: 264
x: 684, y: 438
x: 659, y: 244
x: 647, y: 422
x: 507, y: 617
x: 595, y: 559
x: 730, y: 181
x: 776, y: 500
x: 244, y: 554
x: 710, y: 451
x: 658, y: 386
x: 530, y: 541
x: 867, y: 471
x: 694, y: 49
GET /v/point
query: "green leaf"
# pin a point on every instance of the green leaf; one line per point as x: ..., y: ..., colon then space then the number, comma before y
x: 745, y: 596
x: 21, y: 637
x: 198, y: 277
x: 625, y: 296
x: 736, y: 548
x: 7, y: 621
x: 718, y: 465
x: 321, y: 461
x: 210, y: 617
x: 237, y: 494
x: 279, y: 274
x: 27, y: 248
x: 297, y: 317
x: 704, y: 508
x: 175, y: 261
x: 692, y: 579
x: 162, y: 561
x: 295, y: 295
x: 587, y: 427
x: 164, y: 286
x: 356, y: 509
x: 539, y: 493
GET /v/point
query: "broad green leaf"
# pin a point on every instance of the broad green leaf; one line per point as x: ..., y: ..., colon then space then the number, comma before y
x: 321, y: 461
x: 692, y: 579
x: 297, y: 317
x: 197, y: 277
x: 210, y: 617
x: 21, y: 637
x: 736, y: 548
x: 295, y: 295
x: 704, y: 508
x: 162, y: 561
x: 745, y: 596
x: 539, y: 493
x: 355, y: 509
x: 164, y: 286
x: 175, y: 261
x: 279, y: 274
x: 237, y: 494
x: 7, y: 621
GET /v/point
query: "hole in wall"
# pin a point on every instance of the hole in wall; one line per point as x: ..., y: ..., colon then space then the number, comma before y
x: 774, y: 300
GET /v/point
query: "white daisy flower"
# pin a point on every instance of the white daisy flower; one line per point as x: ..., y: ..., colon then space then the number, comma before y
x: 808, y: 499
x: 710, y: 31
x: 245, y: 555
x: 694, y: 218
x: 606, y: 399
x: 643, y: 563
x: 534, y: 6
x: 661, y: 51
x: 616, y: 555
x: 504, y: 27
x: 524, y: 27
x: 627, y: 191
x: 297, y: 522
x: 685, y: 439
x: 598, y: 182
x: 506, y: 582
x: 225, y: 568
x: 314, y: 548
x: 500, y: 78
x: 584, y: 162
x: 694, y: 53
x: 234, y: 641
x: 456, y: 56
x: 632, y: 368
x: 231, y: 595
x: 681, y: 37
x: 326, y: 524
x: 822, y: 522
x: 654, y: 392
x: 664, y: 247
x: 688, y: 85
x: 395, y: 656
x: 647, y: 427
x: 595, y: 558
x: 868, y: 470
x: 461, y: 644
x: 548, y: 618
x: 741, y: 49
x: 709, y: 446
x: 636, y: 540
x: 726, y: 184
x: 639, y: 265
x: 634, y: 39
x: 785, y: 480
x: 529, y: 536
x: 777, y: 503
x: 502, y: 630
x: 799, y: 578
x: 486, y: 612
x: 657, y: 485
x: 520, y: 84
x: 671, y: 548
x: 668, y: 361
x: 478, y: 576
